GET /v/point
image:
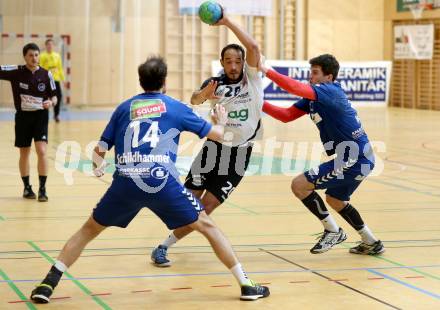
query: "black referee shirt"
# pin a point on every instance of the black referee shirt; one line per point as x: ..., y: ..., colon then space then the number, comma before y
x: 29, y: 89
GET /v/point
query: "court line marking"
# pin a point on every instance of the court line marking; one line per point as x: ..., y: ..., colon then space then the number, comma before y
x: 329, y: 279
x: 83, y: 288
x: 415, y: 270
x: 408, y: 285
x: 233, y: 236
x: 16, y: 290
x: 400, y: 264
x: 224, y: 273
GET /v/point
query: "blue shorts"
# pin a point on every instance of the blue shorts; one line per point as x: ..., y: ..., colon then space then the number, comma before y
x: 340, y: 179
x: 173, y: 204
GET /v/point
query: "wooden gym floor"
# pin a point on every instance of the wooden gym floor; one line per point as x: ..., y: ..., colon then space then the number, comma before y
x: 270, y: 230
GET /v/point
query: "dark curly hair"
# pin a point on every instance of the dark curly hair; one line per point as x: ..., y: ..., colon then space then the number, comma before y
x: 152, y: 73
x: 328, y: 64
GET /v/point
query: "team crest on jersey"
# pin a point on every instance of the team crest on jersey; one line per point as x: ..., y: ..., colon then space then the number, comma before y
x: 41, y: 87
x: 147, y: 108
x: 159, y: 173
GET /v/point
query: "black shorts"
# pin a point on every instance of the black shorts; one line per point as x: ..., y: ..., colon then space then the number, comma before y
x: 218, y: 168
x: 30, y: 125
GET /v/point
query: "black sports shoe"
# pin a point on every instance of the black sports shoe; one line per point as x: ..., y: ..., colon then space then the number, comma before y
x: 159, y: 256
x: 254, y: 291
x: 327, y: 240
x: 28, y: 193
x: 41, y: 294
x: 368, y: 249
x: 42, y: 196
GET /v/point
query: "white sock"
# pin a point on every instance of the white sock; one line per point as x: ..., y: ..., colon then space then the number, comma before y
x: 330, y: 224
x: 240, y: 275
x: 60, y: 266
x: 168, y: 242
x: 366, y: 235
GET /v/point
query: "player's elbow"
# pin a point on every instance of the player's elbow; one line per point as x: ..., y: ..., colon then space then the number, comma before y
x: 216, y: 133
x: 253, y: 46
x: 254, y: 49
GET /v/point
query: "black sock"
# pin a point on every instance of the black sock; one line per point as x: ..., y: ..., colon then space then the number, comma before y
x: 316, y: 205
x: 25, y: 181
x: 53, y: 277
x: 352, y: 216
x: 43, y: 179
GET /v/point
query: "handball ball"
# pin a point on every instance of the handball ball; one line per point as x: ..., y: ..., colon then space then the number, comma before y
x: 210, y: 12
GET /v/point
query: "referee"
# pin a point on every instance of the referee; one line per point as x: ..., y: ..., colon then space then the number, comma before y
x: 33, y: 89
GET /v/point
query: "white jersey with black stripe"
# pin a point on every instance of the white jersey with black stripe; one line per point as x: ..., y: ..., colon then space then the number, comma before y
x: 243, y: 102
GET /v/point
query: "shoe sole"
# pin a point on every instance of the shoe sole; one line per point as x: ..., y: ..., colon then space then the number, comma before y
x: 31, y: 197
x: 329, y: 248
x: 250, y: 298
x: 43, y: 199
x: 163, y: 265
x: 253, y: 297
x: 376, y: 253
x: 40, y: 299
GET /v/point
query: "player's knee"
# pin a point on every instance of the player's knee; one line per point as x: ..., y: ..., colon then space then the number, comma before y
x: 41, y: 151
x: 210, y: 207
x: 91, y: 228
x: 296, y: 187
x: 335, y: 203
x: 204, y: 223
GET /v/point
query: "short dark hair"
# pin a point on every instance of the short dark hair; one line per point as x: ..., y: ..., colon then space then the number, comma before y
x: 152, y: 73
x: 49, y: 40
x: 235, y: 47
x: 328, y: 64
x: 30, y: 46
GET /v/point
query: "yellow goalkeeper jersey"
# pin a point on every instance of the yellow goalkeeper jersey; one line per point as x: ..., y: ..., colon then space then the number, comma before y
x: 52, y: 62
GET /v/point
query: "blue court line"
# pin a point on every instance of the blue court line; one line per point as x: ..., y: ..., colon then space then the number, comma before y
x: 436, y: 296
x: 224, y: 273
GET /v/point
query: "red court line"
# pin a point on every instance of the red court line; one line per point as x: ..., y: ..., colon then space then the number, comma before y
x: 181, y: 288
x: 100, y: 294
x: 264, y: 283
x: 337, y: 280
x: 20, y: 301
x: 221, y: 285
x: 299, y: 281
x: 414, y: 277
x: 375, y: 278
x: 142, y: 291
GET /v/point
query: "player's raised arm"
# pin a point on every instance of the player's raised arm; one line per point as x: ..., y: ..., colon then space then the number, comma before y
x: 288, y: 84
x: 252, y: 48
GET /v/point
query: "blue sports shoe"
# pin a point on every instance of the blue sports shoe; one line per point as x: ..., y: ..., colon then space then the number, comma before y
x: 159, y: 256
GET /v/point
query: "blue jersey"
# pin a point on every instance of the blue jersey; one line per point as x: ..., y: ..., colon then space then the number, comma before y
x: 336, y: 119
x: 145, y: 132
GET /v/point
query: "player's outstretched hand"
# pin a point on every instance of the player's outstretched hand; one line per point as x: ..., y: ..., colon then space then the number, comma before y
x: 47, y: 104
x: 219, y: 115
x: 100, y: 171
x: 208, y: 92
